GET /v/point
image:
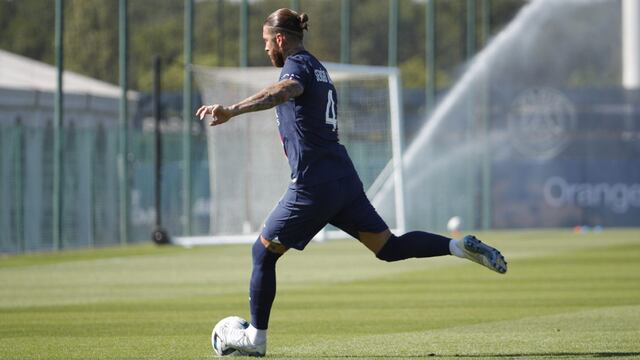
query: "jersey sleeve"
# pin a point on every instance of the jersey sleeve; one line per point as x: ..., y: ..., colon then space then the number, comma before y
x: 296, y: 69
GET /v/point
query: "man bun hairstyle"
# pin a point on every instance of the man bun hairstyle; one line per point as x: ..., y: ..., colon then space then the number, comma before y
x: 304, y: 19
x: 288, y: 21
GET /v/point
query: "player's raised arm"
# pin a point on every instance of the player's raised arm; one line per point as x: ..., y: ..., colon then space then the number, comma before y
x: 266, y: 98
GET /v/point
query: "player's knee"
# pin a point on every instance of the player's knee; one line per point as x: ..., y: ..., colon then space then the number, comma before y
x: 389, y: 252
x: 375, y: 241
x: 263, y: 256
x: 273, y: 246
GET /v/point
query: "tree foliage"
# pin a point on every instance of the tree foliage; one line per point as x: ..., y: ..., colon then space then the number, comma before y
x: 90, y: 42
x: 156, y: 27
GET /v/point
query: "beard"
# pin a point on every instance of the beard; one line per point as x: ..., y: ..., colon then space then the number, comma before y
x: 277, y: 59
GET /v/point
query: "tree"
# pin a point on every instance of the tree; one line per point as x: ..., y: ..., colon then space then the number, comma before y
x: 26, y: 28
x: 156, y: 27
x: 91, y: 38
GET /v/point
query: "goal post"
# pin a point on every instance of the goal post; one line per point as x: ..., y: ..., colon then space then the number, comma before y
x: 247, y: 166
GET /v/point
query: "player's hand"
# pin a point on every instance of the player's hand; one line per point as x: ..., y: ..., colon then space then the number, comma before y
x: 219, y: 114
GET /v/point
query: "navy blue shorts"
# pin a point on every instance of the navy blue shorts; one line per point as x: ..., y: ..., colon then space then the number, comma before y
x: 303, y: 212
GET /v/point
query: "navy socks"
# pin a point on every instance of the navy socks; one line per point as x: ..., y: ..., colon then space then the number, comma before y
x: 262, y: 289
x: 415, y: 244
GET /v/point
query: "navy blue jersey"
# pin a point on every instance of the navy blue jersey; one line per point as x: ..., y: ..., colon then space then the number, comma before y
x: 308, y: 124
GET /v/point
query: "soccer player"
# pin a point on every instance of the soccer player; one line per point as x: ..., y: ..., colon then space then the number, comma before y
x: 325, y: 188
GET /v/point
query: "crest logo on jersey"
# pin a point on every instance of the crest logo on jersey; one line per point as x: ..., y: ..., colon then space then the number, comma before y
x: 322, y: 76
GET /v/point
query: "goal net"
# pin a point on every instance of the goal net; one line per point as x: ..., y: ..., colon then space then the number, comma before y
x: 248, y: 169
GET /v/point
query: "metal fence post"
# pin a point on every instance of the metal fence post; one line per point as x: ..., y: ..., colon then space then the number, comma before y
x: 392, y: 56
x: 345, y: 32
x: 470, y: 51
x: 244, y: 33
x: 295, y: 5
x: 187, y: 92
x: 123, y: 161
x: 486, y: 116
x: 430, y: 46
x: 57, y: 130
x: 19, y: 191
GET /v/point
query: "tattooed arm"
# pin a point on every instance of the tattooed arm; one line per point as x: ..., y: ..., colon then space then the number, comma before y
x: 265, y: 99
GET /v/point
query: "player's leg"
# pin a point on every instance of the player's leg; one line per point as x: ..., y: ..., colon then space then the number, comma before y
x: 414, y: 244
x: 294, y: 221
x: 423, y: 244
x: 389, y: 247
x: 262, y: 292
x: 360, y: 218
x: 262, y: 287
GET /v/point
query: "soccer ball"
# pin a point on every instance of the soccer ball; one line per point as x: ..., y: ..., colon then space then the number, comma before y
x: 453, y: 225
x: 233, y: 322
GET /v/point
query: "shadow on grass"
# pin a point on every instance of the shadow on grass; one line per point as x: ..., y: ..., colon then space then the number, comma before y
x: 547, y: 355
x: 580, y: 355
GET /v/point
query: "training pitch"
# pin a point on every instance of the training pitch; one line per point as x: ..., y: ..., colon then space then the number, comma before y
x: 566, y: 295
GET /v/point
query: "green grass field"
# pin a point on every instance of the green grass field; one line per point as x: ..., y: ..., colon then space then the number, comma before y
x: 565, y: 296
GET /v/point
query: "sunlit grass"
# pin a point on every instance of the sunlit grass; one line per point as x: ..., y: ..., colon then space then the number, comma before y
x: 565, y: 296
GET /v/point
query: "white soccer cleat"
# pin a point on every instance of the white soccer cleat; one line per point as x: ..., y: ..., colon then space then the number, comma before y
x: 483, y: 254
x: 237, y: 339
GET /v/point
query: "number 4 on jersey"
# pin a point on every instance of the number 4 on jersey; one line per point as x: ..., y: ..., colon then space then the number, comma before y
x: 331, y: 116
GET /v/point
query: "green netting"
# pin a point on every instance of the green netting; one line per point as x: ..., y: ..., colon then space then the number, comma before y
x: 90, y: 183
